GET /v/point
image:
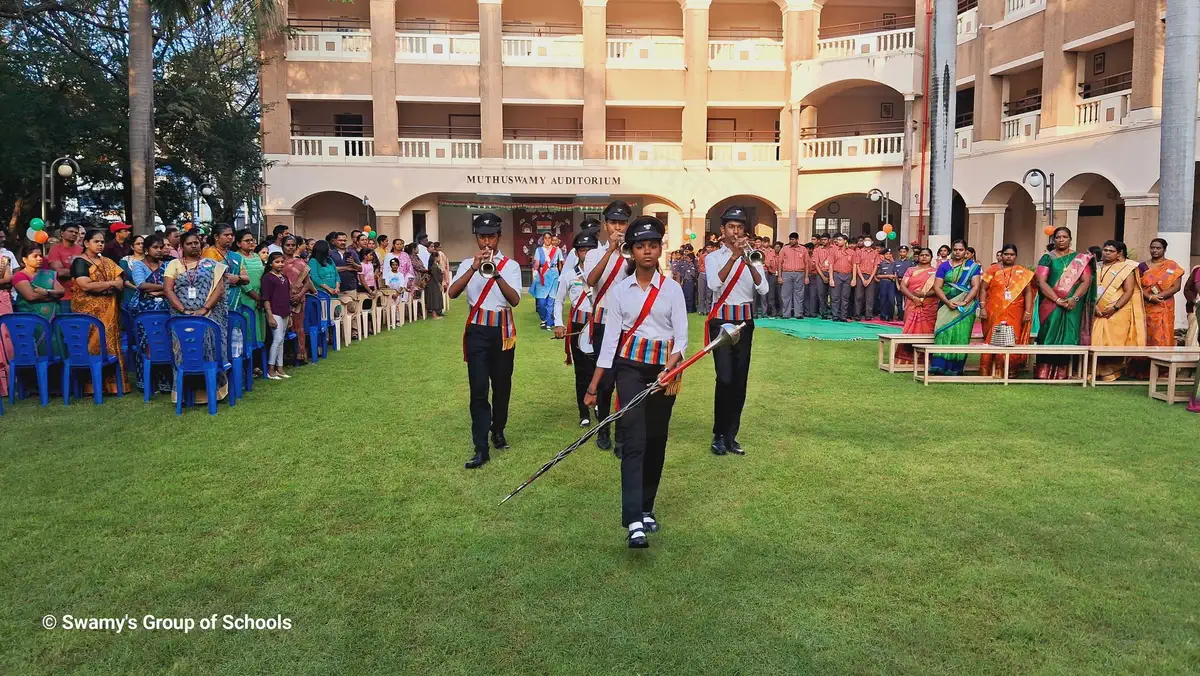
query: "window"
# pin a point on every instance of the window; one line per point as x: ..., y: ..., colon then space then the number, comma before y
x: 419, y: 224
x: 348, y: 125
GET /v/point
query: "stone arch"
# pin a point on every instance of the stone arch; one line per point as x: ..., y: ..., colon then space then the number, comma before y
x: 762, y: 211
x: 863, y: 215
x: 1010, y: 214
x: 1090, y: 204
x: 320, y: 213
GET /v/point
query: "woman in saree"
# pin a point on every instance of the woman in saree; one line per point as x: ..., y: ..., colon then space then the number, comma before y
x: 1191, y: 293
x: 195, y: 286
x: 99, y: 282
x: 1006, y: 297
x: 297, y: 273
x: 221, y: 252
x: 920, y: 307
x: 1064, y: 279
x: 420, y: 274
x: 8, y: 268
x: 129, y: 295
x: 957, y: 288
x: 1120, y: 317
x: 252, y: 267
x: 147, y: 279
x: 38, y: 290
x: 1161, y: 279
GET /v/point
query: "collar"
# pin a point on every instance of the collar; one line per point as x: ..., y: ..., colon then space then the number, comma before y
x: 655, y: 281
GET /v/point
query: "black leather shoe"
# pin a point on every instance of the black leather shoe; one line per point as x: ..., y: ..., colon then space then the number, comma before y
x: 481, y: 457
x: 637, y: 539
x: 603, y: 440
x: 499, y: 441
x: 718, y: 446
x: 735, y: 447
x: 649, y: 522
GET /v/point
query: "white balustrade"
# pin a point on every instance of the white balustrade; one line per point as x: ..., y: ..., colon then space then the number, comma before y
x: 852, y: 151
x: 438, y: 151
x: 734, y: 153
x: 1020, y: 128
x: 349, y: 45
x: 644, y: 152
x: 333, y: 149
x: 963, y: 138
x: 645, y: 52
x: 551, y: 50
x: 1107, y: 110
x: 968, y: 25
x: 867, y: 44
x: 446, y: 47
x: 1012, y: 7
x: 750, y: 54
x: 550, y: 153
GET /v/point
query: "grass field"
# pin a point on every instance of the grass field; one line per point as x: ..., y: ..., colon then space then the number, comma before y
x: 875, y: 526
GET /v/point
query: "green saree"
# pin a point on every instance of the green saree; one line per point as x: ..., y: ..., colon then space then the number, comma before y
x: 954, y: 325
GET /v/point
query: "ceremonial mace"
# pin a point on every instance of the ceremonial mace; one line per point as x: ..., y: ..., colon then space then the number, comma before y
x: 728, y: 336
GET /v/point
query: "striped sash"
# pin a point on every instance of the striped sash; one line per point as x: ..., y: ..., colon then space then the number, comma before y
x: 579, y: 316
x: 645, y: 350
x: 736, y: 313
x: 502, y: 318
x: 600, y: 315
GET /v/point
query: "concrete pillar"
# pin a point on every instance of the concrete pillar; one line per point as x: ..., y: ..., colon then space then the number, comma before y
x: 595, y: 57
x: 1149, y: 36
x: 1141, y: 226
x: 1058, y: 74
x: 989, y: 90
x: 284, y: 217
x: 805, y: 226
x: 985, y: 230
x: 801, y: 18
x: 387, y: 223
x: 695, y: 80
x: 431, y: 223
x: 491, y: 81
x: 277, y: 114
x: 906, y: 196
x: 383, y: 78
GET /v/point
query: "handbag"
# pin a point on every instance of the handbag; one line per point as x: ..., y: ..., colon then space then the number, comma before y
x: 1003, y: 335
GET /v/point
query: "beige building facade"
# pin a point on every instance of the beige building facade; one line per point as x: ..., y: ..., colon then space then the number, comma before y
x: 411, y: 115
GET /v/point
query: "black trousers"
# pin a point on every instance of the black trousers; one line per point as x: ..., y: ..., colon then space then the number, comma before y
x: 605, y: 390
x: 487, y: 362
x: 585, y: 366
x: 644, y: 429
x: 732, y: 364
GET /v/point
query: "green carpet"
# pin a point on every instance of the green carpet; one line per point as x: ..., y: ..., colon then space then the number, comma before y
x: 825, y: 329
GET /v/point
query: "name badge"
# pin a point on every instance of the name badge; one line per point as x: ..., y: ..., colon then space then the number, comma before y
x: 191, y: 293
x: 1100, y: 290
x: 1007, y: 294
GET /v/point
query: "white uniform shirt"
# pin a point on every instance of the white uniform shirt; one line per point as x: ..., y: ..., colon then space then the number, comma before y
x: 744, y: 291
x: 592, y: 260
x: 570, y: 261
x: 423, y: 254
x: 572, y: 284
x: 667, y: 319
x: 495, y: 299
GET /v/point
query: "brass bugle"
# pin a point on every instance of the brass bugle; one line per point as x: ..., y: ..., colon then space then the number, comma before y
x: 755, y: 257
x: 627, y: 251
x: 487, y: 269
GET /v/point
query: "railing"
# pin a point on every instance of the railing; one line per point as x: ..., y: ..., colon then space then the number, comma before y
x: 333, y: 149
x: 857, y: 129
x: 349, y: 45
x: 438, y: 46
x: 645, y: 51
x: 964, y: 5
x: 1021, y: 128
x: 542, y: 30
x: 1028, y: 104
x: 749, y: 54
x: 1110, y: 109
x: 438, y: 151
x: 542, y: 50
x: 1109, y: 85
x: 869, y: 44
x: 652, y: 135
x: 436, y: 27
x: 743, y: 136
x: 963, y: 138
x: 864, y: 27
x: 850, y: 151
x: 968, y: 24
x: 644, y: 152
x: 329, y: 25
x: 537, y: 134
x: 554, y: 153
x: 437, y: 132
x: 743, y: 153
x: 1016, y: 6
x: 964, y: 119
x: 639, y: 32
x: 339, y: 130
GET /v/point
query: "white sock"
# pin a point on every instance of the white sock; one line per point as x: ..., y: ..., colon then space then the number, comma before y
x: 647, y: 519
x: 636, y: 526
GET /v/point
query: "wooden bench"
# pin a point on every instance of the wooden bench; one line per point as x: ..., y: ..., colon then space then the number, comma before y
x: 1172, y: 363
x: 1148, y: 352
x: 888, y: 342
x: 1074, y: 377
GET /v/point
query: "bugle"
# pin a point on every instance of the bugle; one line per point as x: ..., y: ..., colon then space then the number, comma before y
x: 487, y: 269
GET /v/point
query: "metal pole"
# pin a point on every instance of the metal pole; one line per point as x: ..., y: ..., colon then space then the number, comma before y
x: 794, y: 168
x: 1050, y: 198
x: 44, y: 176
x: 941, y: 120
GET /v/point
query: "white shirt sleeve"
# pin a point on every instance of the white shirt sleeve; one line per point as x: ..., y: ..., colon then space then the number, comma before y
x: 591, y: 260
x: 463, y: 267
x: 713, y: 263
x: 560, y: 296
x: 761, y: 287
x: 679, y: 319
x: 512, y: 274
x: 612, y: 331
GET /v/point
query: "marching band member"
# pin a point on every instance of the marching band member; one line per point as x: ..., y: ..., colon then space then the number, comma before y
x: 490, y: 336
x: 580, y: 352
x: 590, y: 226
x: 605, y: 268
x: 734, y: 283
x: 547, y: 265
x: 645, y: 333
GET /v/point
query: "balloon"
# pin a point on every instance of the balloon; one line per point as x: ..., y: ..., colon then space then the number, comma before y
x: 31, y: 234
x: 188, y: 226
x: 887, y: 227
x: 881, y: 235
x: 41, y: 236
x: 687, y: 231
x: 1048, y: 230
x: 366, y: 228
x: 892, y: 235
x: 693, y: 236
x: 37, y: 223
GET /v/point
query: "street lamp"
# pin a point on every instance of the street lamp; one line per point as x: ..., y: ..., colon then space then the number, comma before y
x: 884, y: 199
x: 65, y: 167
x: 200, y: 192
x: 366, y: 210
x: 1036, y: 178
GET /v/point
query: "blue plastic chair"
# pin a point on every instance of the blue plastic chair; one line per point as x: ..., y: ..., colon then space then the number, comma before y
x: 75, y: 330
x: 129, y: 340
x: 189, y: 334
x: 31, y: 338
x: 253, y: 343
x: 153, y: 324
x: 327, y: 324
x: 242, y: 359
x: 318, y: 335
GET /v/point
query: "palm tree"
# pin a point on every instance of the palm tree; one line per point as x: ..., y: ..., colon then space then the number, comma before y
x: 141, y: 115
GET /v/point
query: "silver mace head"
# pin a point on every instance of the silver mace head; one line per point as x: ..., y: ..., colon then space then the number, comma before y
x: 729, y: 335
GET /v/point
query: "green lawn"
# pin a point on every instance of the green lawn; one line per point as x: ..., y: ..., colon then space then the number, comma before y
x: 875, y: 526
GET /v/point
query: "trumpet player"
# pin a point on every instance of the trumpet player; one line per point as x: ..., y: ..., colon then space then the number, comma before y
x: 735, y: 275
x: 492, y: 282
x: 580, y: 352
x: 604, y: 268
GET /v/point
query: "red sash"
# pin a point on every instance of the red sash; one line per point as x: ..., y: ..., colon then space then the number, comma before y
x: 737, y: 273
x: 543, y: 267
x: 487, y: 288
x: 600, y: 296
x: 649, y: 303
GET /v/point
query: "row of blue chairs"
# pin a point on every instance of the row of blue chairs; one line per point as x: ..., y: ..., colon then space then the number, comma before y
x: 32, y: 339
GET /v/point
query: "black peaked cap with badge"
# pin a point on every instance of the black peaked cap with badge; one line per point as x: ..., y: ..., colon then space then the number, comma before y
x: 735, y: 213
x: 590, y: 225
x: 486, y: 224
x: 644, y: 228
x: 585, y: 239
x: 617, y: 210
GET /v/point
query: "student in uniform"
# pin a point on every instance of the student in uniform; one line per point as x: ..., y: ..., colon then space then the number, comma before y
x: 580, y: 351
x: 645, y: 334
x: 841, y: 267
x: 735, y: 285
x: 886, y: 274
x: 588, y: 225
x: 819, y: 283
x: 547, y: 265
x: 490, y: 336
x: 604, y: 268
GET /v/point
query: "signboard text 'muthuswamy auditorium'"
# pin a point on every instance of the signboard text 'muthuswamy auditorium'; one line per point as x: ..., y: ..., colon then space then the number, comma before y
x: 535, y: 180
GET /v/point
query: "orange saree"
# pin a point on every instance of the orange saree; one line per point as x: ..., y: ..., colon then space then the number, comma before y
x: 1160, y: 317
x: 106, y: 308
x: 1006, y: 305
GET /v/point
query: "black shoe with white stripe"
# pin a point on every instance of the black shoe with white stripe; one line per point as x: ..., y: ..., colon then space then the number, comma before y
x: 637, y: 536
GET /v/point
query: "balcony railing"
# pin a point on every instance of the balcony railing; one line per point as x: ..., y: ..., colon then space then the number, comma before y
x: 1028, y: 104
x: 330, y: 129
x: 1021, y: 128
x: 437, y: 27
x: 645, y: 152
x: 1012, y: 7
x: 964, y: 119
x: 653, y: 51
x: 438, y: 132
x: 854, y: 129
x: 438, y: 46
x: 743, y: 136
x: 964, y: 5
x: 963, y: 138
x: 539, y: 134
x: 748, y: 54
x: 348, y: 44
x: 866, y: 44
x: 641, y: 32
x: 745, y: 33
x: 968, y: 24
x: 743, y: 153
x: 438, y: 151
x: 852, y: 151
x: 1112, y: 84
x: 847, y: 30
x: 333, y: 149
x: 547, y: 50
x: 1106, y: 110
x: 651, y: 135
x: 550, y: 153
x: 541, y: 30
